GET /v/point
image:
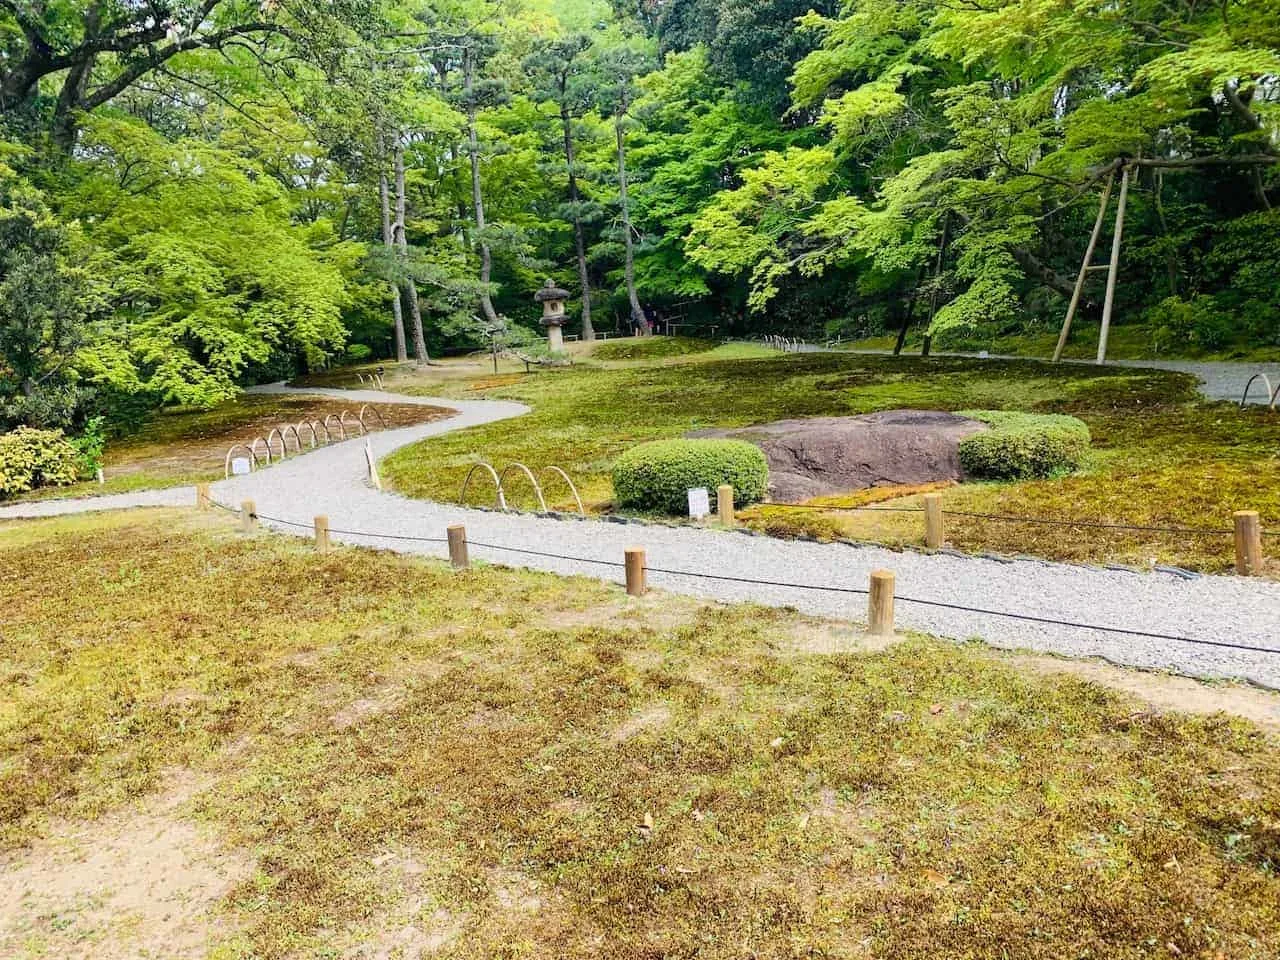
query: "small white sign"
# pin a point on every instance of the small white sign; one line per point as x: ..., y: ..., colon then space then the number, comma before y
x: 699, y: 503
x: 241, y: 466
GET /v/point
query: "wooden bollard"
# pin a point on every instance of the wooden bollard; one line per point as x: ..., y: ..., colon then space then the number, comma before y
x: 248, y: 516
x: 322, y: 534
x: 880, y: 604
x: 202, y: 496
x: 635, y: 572
x: 724, y: 505
x: 458, y: 547
x: 933, y: 533
x: 1248, y: 543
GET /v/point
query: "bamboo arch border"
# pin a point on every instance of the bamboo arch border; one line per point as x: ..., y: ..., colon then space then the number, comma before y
x: 342, y: 418
x: 500, y: 484
x: 342, y: 431
x: 376, y: 412
x: 372, y: 380
x: 537, y: 489
x: 1272, y: 395
x: 309, y: 425
x: 254, y: 447
x: 497, y: 482
x: 572, y: 487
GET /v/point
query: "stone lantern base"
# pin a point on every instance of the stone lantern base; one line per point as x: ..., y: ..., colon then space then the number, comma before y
x: 555, y: 338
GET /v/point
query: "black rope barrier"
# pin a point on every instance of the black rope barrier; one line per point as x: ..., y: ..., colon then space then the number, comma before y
x: 821, y: 588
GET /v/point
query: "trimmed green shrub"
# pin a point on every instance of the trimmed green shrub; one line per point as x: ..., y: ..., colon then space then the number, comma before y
x: 1021, y: 446
x: 659, y: 475
x: 36, y: 458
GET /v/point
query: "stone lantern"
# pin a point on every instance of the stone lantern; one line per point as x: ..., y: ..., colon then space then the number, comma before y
x: 552, y: 299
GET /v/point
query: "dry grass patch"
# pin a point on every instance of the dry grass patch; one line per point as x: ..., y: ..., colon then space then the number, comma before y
x: 922, y: 800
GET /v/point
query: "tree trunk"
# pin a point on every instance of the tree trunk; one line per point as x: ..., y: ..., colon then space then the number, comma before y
x: 937, y: 279
x: 389, y: 242
x: 579, y: 241
x: 409, y: 289
x: 906, y: 320
x: 74, y: 87
x: 477, y: 196
x: 637, y: 314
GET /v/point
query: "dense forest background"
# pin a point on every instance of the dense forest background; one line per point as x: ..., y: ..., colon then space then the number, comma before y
x: 195, y: 194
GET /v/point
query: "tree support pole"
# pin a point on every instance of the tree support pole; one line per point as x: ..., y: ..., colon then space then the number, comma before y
x: 1114, y: 269
x: 1084, y: 268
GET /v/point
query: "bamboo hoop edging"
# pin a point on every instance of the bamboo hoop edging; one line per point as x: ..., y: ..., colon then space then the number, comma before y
x: 1272, y: 395
x: 374, y: 410
x: 254, y: 447
x: 572, y: 486
x: 537, y: 489
x: 310, y: 425
x: 342, y: 418
x: 497, y: 482
x: 226, y: 464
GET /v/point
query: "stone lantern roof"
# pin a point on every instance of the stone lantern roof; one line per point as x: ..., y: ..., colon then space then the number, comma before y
x: 550, y: 292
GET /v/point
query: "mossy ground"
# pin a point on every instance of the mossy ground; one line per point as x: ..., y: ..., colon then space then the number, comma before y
x: 1161, y: 457
x: 502, y: 764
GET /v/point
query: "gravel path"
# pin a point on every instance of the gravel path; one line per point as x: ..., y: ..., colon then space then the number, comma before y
x: 331, y: 481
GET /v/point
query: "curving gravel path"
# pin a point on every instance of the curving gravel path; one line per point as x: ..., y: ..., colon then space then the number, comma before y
x: 331, y: 481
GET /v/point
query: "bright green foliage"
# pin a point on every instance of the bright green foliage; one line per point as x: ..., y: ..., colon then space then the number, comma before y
x: 199, y: 245
x: 45, y: 306
x: 31, y: 458
x: 659, y: 475
x: 1023, y: 446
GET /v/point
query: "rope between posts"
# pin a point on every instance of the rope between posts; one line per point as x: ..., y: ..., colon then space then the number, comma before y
x: 823, y: 588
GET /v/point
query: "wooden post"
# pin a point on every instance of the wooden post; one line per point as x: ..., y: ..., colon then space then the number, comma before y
x: 322, y: 534
x: 635, y: 571
x: 1085, y: 266
x: 933, y: 536
x: 202, y: 496
x: 1114, y: 270
x: 724, y: 505
x: 1248, y: 543
x: 458, y: 547
x: 248, y: 516
x: 880, y: 604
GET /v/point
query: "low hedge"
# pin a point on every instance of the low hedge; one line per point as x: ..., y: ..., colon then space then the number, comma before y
x: 1022, y: 446
x: 36, y: 458
x: 659, y: 475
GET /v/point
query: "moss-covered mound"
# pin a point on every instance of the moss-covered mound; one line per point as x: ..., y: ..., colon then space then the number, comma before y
x: 658, y: 476
x: 1020, y: 446
x: 649, y: 348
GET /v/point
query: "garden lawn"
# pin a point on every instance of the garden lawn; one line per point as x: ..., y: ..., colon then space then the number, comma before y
x: 1160, y: 456
x: 187, y: 445
x: 364, y: 754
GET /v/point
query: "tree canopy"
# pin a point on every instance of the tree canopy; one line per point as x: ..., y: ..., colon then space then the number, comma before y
x: 202, y: 193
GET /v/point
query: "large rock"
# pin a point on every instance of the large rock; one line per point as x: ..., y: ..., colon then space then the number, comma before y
x: 825, y: 455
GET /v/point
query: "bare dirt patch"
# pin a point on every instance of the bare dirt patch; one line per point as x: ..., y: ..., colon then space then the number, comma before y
x: 185, y: 444
x: 826, y: 455
x: 1165, y: 691
x: 656, y: 611
x: 830, y: 637
x: 138, y: 883
x: 650, y: 719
